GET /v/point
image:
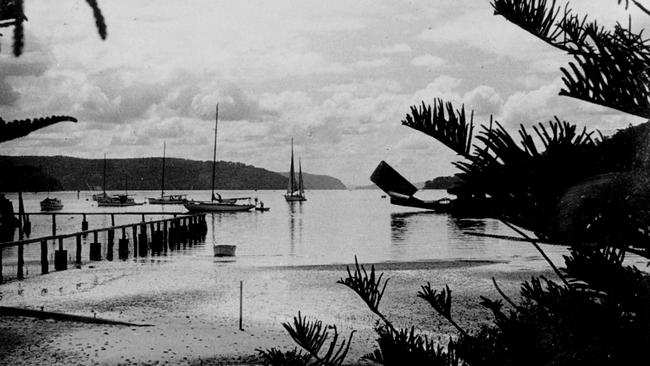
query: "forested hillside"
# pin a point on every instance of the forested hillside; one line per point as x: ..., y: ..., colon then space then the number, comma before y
x: 35, y: 173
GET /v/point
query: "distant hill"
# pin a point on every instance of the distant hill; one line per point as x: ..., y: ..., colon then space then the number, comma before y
x: 35, y: 173
x: 418, y: 185
x: 313, y: 181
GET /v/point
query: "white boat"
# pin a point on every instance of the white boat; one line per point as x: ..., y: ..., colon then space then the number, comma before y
x: 170, y: 199
x: 51, y: 204
x: 221, y: 250
x: 295, y: 191
x: 216, y: 203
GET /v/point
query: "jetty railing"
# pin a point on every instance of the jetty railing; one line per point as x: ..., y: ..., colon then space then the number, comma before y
x: 162, y: 235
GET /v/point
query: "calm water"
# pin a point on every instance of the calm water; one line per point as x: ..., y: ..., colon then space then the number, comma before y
x: 331, y: 227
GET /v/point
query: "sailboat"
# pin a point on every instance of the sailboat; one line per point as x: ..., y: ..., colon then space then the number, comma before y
x: 217, y: 203
x: 118, y: 200
x: 295, y: 191
x: 170, y: 199
x: 102, y: 196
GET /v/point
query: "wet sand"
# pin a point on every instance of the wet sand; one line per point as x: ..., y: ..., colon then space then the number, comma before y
x: 193, y: 303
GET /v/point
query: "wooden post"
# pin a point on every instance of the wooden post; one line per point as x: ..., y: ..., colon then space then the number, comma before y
x: 53, y: 224
x: 27, y: 225
x: 112, y: 219
x: 165, y: 236
x: 44, y: 263
x: 21, y: 249
x: 95, y: 248
x: 78, y: 251
x: 1, y: 278
x: 84, y: 223
x: 241, y: 304
x: 60, y: 257
x: 135, y: 241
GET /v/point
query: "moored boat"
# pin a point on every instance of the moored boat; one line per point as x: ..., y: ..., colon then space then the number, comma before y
x: 51, y: 204
x: 296, y: 190
x: 170, y: 199
x: 222, y: 250
x: 217, y: 203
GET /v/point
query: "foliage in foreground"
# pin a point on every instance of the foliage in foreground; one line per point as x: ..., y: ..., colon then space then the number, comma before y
x: 579, y: 189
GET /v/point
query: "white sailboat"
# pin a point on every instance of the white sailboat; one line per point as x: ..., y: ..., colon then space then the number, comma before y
x: 295, y: 191
x: 170, y: 199
x: 217, y: 203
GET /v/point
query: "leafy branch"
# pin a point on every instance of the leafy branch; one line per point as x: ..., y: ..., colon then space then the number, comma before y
x: 311, y: 335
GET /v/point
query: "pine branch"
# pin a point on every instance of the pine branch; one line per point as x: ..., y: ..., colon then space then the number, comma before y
x: 441, y: 302
x: 99, y: 18
x: 450, y: 128
x: 311, y: 336
x: 610, y: 68
x: 367, y: 287
x: 19, y: 128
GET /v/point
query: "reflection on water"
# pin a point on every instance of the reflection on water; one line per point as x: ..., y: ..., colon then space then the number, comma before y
x: 331, y: 228
x: 400, y: 222
x: 295, y: 225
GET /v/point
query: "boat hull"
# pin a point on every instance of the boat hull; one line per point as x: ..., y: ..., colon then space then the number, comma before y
x: 118, y: 201
x: 198, y: 206
x: 166, y: 201
x: 294, y: 198
x: 224, y: 250
x: 49, y: 204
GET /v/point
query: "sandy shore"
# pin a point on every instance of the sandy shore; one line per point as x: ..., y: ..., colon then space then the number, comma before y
x: 193, y: 305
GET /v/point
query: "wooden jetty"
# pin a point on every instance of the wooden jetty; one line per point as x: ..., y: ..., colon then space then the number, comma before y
x: 147, y: 237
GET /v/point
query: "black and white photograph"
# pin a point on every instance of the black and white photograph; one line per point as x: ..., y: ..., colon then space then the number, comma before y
x: 325, y: 183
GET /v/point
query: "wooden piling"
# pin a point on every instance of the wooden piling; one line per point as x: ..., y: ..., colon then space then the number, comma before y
x: 1, y: 277
x: 135, y: 240
x: 84, y: 223
x: 142, y: 241
x: 109, y: 244
x: 78, y: 250
x: 165, y: 236
x: 241, y: 304
x: 44, y: 263
x: 53, y: 224
x: 60, y: 257
x: 21, y: 262
x: 95, y: 248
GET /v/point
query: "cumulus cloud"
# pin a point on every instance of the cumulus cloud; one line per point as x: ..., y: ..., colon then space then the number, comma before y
x: 35, y: 60
x: 429, y: 61
x: 394, y: 49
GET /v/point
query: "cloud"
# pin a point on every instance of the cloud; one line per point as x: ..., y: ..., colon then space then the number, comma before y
x: 34, y: 62
x: 429, y: 61
x: 394, y: 49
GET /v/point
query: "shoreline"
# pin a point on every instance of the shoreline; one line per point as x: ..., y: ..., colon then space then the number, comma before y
x: 195, y: 311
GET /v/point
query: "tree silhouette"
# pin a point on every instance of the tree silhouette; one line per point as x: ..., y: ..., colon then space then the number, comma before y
x: 567, y: 186
x: 12, y: 15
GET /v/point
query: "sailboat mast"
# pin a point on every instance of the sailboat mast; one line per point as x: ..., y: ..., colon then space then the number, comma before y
x: 162, y: 184
x: 104, y: 178
x: 214, y: 155
x: 292, y: 178
x: 300, y: 187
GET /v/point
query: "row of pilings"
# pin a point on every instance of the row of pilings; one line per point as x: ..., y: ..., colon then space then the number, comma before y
x: 136, y: 240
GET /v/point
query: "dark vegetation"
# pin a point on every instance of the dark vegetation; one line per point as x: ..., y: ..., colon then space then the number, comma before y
x: 34, y: 173
x: 12, y: 15
x: 442, y: 183
x: 564, y: 184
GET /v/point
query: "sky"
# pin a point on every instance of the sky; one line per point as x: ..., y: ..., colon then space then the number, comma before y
x: 336, y: 76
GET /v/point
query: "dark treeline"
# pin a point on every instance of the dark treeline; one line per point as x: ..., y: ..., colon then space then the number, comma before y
x: 36, y: 173
x: 442, y: 183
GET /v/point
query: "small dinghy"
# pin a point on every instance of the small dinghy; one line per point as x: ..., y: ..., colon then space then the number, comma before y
x: 222, y: 250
